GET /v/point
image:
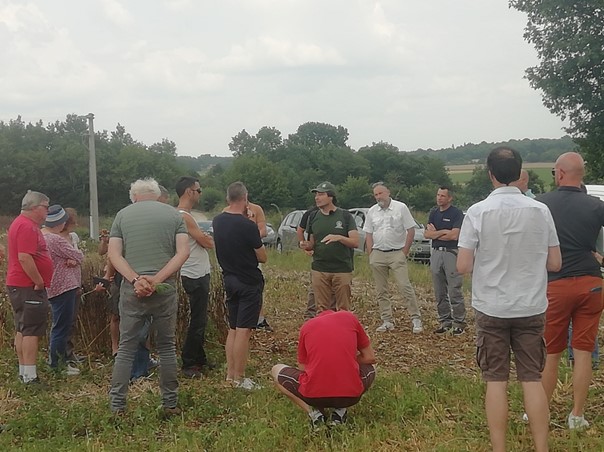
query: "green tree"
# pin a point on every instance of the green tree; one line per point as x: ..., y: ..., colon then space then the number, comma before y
x: 478, y: 187
x: 570, y: 45
x: 319, y: 134
x: 354, y: 192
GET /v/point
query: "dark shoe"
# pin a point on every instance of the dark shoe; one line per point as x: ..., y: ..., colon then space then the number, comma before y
x: 457, y: 331
x: 192, y: 372
x: 443, y: 329
x: 75, y: 359
x: 264, y: 326
x: 153, y: 363
x: 336, y: 419
x: 168, y: 413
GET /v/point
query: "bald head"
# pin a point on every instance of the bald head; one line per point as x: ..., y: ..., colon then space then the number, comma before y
x: 522, y: 182
x: 570, y: 169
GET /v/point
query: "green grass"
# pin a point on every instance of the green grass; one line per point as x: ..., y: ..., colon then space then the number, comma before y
x: 428, y: 395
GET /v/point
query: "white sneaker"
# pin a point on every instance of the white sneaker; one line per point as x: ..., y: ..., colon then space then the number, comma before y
x: 386, y: 326
x: 417, y: 326
x: 576, y: 422
x: 71, y: 370
x: 248, y: 384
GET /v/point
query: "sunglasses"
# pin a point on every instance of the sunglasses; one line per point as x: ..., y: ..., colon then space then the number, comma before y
x: 198, y: 190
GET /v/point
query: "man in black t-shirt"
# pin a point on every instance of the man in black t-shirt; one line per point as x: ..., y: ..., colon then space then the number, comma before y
x: 239, y: 249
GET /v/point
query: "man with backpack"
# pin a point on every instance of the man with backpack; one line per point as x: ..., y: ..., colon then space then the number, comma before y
x: 333, y: 236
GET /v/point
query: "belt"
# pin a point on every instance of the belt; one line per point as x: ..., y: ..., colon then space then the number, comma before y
x: 443, y: 248
x: 389, y: 251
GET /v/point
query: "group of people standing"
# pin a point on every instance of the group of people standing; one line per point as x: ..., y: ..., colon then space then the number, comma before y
x: 533, y: 266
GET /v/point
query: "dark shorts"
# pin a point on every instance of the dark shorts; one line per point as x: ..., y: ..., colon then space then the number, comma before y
x: 244, y: 302
x: 289, y: 378
x: 30, y: 309
x: 113, y: 302
x: 496, y: 336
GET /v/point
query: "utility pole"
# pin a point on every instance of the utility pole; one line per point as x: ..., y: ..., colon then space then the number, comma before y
x: 94, y: 198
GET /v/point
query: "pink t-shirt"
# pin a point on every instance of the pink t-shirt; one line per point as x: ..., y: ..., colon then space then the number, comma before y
x: 65, y: 277
x: 24, y: 236
x: 328, y: 348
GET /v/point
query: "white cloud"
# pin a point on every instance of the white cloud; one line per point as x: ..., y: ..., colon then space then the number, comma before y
x: 116, y: 12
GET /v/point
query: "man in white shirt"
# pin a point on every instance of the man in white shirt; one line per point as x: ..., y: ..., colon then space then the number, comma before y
x: 195, y: 277
x: 390, y: 229
x: 509, y: 242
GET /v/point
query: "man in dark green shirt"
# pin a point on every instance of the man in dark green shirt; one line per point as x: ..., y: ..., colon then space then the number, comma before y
x: 333, y: 236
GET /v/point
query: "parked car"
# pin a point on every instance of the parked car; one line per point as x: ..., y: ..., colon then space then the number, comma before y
x: 271, y: 236
x: 420, y: 249
x: 206, y: 226
x: 286, y: 234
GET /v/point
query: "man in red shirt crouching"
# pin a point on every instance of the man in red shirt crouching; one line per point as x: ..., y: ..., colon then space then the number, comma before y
x: 335, y: 367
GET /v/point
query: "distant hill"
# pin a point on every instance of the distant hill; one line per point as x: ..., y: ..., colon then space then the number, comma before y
x: 204, y: 163
x: 532, y: 150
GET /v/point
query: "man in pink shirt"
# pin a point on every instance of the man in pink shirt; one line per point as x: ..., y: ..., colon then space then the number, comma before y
x: 29, y: 274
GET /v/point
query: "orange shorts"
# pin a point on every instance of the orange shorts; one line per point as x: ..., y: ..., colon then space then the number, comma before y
x: 575, y: 299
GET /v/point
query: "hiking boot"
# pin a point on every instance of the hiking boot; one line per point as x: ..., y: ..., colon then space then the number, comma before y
x: 264, y: 326
x: 168, y: 413
x: 457, y: 331
x: 192, y: 372
x: 336, y: 419
x: 248, y: 384
x: 386, y: 326
x: 417, y: 326
x: 443, y: 329
x: 577, y: 422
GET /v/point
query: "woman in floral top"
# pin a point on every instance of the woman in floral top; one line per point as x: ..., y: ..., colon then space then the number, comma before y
x: 66, y: 281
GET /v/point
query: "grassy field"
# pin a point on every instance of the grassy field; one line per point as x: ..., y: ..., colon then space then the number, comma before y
x: 428, y: 395
x: 461, y: 174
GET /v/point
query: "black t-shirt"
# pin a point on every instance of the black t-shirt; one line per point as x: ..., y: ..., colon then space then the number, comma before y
x: 235, y: 239
x: 578, y: 218
x: 304, y: 220
x: 451, y: 218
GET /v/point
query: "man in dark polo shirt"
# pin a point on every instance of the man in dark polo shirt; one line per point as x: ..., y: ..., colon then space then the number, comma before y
x: 574, y: 292
x: 239, y: 249
x: 332, y: 237
x: 443, y: 228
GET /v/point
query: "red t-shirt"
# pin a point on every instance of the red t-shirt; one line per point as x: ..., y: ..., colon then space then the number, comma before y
x: 24, y: 236
x: 328, y: 348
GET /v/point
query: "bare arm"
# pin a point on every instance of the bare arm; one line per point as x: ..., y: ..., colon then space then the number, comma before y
x: 465, y: 260
x: 30, y: 269
x: 300, y: 234
x: 261, y: 254
x: 409, y: 240
x: 351, y: 241
x: 204, y: 240
x: 554, y: 259
x: 443, y: 234
x: 368, y: 242
x: 366, y: 355
x: 174, y: 264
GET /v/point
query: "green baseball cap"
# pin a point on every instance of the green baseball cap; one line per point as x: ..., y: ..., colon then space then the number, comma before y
x: 324, y: 187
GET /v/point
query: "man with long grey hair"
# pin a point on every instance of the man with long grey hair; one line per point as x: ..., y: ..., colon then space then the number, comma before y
x: 148, y: 244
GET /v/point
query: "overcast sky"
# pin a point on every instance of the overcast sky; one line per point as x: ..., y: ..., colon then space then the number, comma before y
x: 417, y: 74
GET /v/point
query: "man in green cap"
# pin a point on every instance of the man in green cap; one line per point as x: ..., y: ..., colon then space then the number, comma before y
x: 333, y: 236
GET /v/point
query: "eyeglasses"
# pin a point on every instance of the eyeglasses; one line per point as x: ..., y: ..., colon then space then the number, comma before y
x: 198, y: 190
x: 46, y: 206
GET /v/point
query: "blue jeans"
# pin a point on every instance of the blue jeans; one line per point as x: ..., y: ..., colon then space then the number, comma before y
x: 140, y: 367
x: 595, y: 355
x: 63, y: 308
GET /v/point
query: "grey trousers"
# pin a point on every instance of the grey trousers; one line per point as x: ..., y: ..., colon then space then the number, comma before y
x: 161, y: 310
x: 447, y: 288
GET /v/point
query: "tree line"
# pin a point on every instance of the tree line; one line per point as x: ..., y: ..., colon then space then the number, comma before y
x: 279, y: 172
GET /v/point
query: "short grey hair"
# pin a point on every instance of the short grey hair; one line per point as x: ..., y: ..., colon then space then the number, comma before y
x: 236, y: 192
x: 146, y: 186
x: 33, y: 199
